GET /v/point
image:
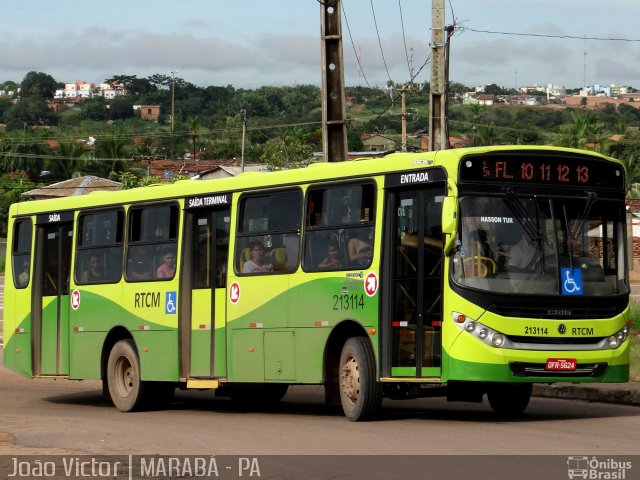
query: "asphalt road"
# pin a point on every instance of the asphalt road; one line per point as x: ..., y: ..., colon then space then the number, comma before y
x: 303, y: 438
x: 294, y: 439
x: 60, y: 414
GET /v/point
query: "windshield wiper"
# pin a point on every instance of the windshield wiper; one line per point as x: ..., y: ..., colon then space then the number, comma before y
x: 580, y: 221
x: 533, y: 231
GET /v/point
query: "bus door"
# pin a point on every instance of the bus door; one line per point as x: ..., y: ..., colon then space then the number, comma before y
x: 203, y: 312
x: 412, y: 309
x: 50, y: 297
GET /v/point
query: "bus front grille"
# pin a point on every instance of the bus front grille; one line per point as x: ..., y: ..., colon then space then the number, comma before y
x: 553, y: 313
x: 522, y: 369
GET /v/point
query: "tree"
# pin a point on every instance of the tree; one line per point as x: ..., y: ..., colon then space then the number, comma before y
x: 194, y: 128
x: 120, y: 108
x: 113, y: 148
x: 12, y: 185
x: 29, y: 111
x: 38, y: 84
x: 94, y: 109
x: 132, y: 84
x: 485, y: 135
x: 285, y: 151
x: 68, y: 159
x: 23, y: 150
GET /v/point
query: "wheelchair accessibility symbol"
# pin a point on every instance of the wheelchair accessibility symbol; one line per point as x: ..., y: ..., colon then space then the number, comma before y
x: 571, y: 281
x: 170, y: 306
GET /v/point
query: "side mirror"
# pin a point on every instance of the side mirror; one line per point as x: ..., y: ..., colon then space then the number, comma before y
x: 450, y: 217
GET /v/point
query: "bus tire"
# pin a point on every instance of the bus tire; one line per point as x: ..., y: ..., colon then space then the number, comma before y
x: 360, y: 392
x: 123, y: 377
x: 509, y: 399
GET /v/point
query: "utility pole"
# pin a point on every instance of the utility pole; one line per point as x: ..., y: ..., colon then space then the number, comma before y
x: 437, y: 108
x: 334, y: 126
x: 243, y: 115
x: 173, y: 96
x: 408, y: 88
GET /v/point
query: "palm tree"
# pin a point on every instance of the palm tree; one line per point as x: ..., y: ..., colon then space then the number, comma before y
x: 485, y: 135
x: 113, y: 149
x: 193, y: 125
x: 632, y: 166
x: 23, y: 150
x: 70, y: 159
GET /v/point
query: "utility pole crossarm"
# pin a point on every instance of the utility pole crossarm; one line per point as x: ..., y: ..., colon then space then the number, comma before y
x: 334, y: 126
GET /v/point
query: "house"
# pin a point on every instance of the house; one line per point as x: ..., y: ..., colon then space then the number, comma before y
x: 169, y: 169
x: 486, y: 99
x: 523, y: 100
x: 454, y: 142
x: 74, y: 186
x: 224, y: 171
x: 148, y: 112
x: 377, y: 143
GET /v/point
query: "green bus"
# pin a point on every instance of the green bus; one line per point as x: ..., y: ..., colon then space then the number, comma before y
x: 464, y: 272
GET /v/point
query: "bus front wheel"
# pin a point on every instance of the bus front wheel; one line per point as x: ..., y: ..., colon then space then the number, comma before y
x: 123, y: 377
x: 509, y: 399
x: 360, y: 392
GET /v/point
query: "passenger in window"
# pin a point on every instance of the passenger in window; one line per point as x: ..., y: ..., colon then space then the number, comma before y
x: 94, y: 272
x: 524, y: 256
x: 139, y: 265
x: 167, y: 268
x: 359, y: 248
x: 257, y: 263
x: 332, y: 261
x: 23, y: 276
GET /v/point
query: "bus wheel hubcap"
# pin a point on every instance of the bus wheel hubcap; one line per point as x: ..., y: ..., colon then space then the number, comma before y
x: 350, y: 379
x: 124, y: 377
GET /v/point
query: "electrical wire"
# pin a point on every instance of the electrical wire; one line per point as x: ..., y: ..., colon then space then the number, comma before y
x: 542, y: 35
x: 404, y: 39
x: 346, y: 21
x: 384, y: 61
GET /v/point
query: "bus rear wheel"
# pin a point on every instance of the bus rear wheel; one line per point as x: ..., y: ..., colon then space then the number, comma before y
x: 123, y: 377
x: 508, y: 399
x: 360, y: 393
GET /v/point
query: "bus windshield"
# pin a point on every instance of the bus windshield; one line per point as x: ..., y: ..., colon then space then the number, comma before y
x: 541, y: 245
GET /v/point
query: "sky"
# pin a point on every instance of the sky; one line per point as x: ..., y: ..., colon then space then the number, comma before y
x: 251, y: 43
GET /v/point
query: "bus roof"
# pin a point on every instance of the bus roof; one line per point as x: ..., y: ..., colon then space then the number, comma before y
x: 394, y: 162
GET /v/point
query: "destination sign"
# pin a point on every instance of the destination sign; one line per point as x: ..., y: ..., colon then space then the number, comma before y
x: 54, y: 217
x: 414, y: 177
x: 203, y: 201
x: 574, y: 170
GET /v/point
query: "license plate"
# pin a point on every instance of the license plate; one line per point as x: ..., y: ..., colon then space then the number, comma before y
x: 561, y: 364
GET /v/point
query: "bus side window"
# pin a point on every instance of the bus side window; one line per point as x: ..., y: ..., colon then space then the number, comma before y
x: 100, y: 247
x: 339, y: 227
x: 152, y: 243
x: 269, y: 237
x: 21, y: 253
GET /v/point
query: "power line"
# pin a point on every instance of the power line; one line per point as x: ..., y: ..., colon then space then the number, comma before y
x: 344, y: 13
x: 384, y: 61
x: 404, y: 39
x: 543, y: 35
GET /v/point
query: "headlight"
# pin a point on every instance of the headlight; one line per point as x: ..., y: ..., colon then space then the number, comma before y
x: 481, y: 332
x: 620, y: 336
x: 497, y: 340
